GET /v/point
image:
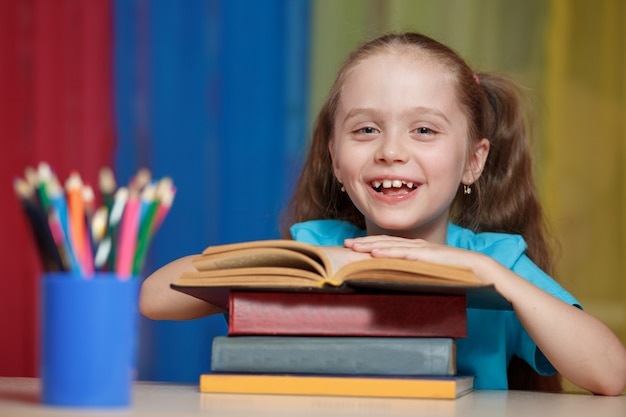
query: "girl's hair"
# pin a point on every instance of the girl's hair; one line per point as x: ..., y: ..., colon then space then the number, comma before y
x: 504, y: 198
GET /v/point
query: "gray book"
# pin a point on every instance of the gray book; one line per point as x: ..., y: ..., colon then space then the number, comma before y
x: 334, y: 355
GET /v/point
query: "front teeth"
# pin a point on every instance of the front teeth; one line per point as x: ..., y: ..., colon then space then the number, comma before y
x: 392, y: 183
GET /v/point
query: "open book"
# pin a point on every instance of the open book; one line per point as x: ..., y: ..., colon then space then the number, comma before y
x: 293, y: 265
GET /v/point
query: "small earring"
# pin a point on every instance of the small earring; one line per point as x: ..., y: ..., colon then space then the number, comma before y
x: 343, y: 189
x: 467, y: 189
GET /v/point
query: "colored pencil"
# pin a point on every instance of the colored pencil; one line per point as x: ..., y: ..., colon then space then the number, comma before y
x: 38, y: 223
x: 166, y: 192
x: 58, y: 207
x: 99, y: 224
x: 128, y: 236
x: 60, y: 239
x: 31, y: 176
x: 89, y: 202
x: 119, y: 202
x: 103, y: 252
x: 107, y: 186
x: 44, y: 175
x: 150, y: 205
x: 76, y: 219
x: 140, y: 180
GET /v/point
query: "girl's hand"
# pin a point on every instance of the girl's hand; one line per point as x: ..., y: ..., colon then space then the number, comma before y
x: 340, y: 256
x: 382, y: 246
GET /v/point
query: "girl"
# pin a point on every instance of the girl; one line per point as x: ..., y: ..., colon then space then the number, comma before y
x: 415, y: 156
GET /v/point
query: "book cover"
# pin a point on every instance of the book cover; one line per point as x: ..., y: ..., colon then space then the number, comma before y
x: 334, y: 355
x: 346, y: 314
x: 484, y: 297
x: 359, y: 386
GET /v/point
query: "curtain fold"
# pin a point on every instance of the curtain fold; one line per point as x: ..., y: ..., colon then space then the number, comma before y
x: 55, y: 106
x: 584, y: 138
x: 213, y: 94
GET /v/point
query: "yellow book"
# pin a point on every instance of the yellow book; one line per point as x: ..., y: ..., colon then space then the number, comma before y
x: 360, y: 386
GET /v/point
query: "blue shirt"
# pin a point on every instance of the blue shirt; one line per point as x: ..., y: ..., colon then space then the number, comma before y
x: 493, y: 336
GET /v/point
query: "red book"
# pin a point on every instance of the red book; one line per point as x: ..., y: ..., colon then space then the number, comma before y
x: 347, y: 314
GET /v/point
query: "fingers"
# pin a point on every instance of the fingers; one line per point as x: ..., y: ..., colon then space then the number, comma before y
x: 366, y: 244
x: 388, y: 246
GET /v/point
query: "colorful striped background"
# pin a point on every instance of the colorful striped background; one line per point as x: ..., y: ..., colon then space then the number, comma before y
x: 220, y: 94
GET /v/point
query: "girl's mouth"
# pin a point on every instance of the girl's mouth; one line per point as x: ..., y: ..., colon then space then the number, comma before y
x: 393, y: 187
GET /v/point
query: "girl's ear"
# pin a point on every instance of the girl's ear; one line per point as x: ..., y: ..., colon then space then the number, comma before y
x: 476, y: 162
x: 331, y: 150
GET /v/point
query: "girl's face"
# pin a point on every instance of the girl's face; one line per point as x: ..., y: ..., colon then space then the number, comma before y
x: 400, y: 145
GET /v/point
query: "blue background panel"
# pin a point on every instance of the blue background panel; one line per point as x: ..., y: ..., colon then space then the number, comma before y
x: 214, y: 94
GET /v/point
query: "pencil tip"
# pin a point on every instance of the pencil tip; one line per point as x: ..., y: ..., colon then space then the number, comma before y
x: 74, y: 180
x: 107, y: 180
x: 22, y: 188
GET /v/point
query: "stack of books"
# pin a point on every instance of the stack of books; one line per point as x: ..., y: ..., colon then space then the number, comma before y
x: 378, y: 327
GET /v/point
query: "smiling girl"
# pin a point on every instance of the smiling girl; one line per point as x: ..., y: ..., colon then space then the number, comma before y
x: 415, y: 156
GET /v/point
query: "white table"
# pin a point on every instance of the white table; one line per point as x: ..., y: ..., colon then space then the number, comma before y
x: 20, y: 397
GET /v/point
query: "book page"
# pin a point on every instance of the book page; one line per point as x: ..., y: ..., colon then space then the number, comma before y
x: 258, y: 257
x: 252, y: 277
x: 277, y: 252
x: 407, y: 271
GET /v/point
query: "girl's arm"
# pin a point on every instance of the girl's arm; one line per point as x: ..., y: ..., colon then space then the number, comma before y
x: 159, y: 302
x: 582, y: 348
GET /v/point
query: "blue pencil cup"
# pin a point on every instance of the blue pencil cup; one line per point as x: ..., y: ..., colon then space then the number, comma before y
x: 88, y: 340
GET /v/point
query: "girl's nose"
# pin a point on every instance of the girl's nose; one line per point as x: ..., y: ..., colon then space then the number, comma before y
x: 392, y: 149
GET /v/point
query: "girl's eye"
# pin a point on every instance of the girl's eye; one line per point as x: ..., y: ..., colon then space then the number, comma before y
x: 424, y: 131
x: 368, y: 130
